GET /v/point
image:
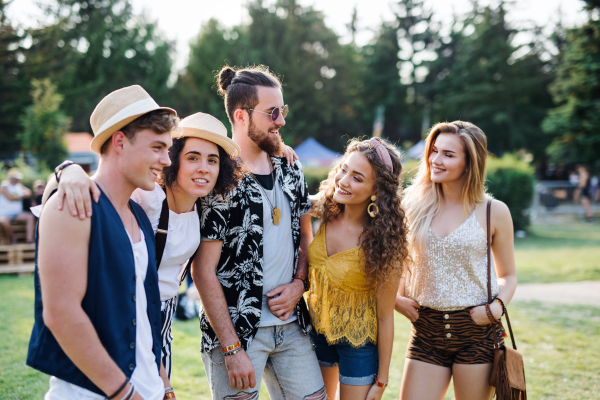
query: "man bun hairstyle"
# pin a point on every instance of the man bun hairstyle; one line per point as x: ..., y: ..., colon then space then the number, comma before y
x: 225, y: 77
x: 238, y: 87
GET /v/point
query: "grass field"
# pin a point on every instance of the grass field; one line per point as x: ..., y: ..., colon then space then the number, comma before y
x: 559, y: 253
x: 560, y: 344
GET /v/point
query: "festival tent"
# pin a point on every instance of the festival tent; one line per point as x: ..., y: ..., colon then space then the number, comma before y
x: 314, y: 154
x: 417, y: 150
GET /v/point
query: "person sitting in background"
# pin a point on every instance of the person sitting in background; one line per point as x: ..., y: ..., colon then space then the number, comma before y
x: 38, y: 191
x: 12, y: 193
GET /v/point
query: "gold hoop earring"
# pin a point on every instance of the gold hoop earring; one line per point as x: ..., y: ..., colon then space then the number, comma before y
x: 372, y: 213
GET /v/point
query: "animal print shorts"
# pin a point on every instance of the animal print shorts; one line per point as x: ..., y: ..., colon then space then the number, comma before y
x: 447, y: 337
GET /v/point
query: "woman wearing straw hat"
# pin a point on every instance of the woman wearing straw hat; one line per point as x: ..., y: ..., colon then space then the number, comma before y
x: 202, y: 160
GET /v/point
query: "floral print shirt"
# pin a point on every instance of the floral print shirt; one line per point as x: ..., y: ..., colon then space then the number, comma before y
x: 237, y: 222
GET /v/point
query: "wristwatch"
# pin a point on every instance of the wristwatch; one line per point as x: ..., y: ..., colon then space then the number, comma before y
x: 62, y: 166
x: 304, y: 280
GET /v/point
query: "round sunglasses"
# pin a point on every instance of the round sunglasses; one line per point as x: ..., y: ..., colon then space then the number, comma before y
x: 275, y: 113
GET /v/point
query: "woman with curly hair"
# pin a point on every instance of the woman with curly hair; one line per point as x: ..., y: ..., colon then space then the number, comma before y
x: 355, y: 263
x: 202, y: 160
x: 445, y: 293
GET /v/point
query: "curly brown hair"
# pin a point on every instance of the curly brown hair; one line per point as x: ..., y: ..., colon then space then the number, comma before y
x: 384, y: 238
x: 230, y: 171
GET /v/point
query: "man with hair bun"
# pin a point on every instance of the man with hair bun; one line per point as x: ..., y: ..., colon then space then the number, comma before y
x: 251, y: 266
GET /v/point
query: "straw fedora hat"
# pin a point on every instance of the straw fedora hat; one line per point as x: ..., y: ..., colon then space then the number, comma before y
x: 118, y: 109
x: 205, y: 126
x: 14, y: 173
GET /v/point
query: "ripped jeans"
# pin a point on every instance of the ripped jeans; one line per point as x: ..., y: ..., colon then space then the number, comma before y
x: 282, y: 356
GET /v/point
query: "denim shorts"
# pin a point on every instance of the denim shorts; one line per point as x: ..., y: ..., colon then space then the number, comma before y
x: 357, y: 367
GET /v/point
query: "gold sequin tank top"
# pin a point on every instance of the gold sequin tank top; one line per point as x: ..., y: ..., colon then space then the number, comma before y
x: 342, y: 303
x: 452, y: 274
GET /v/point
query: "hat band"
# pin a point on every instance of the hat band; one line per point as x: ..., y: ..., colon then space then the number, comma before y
x: 139, y: 107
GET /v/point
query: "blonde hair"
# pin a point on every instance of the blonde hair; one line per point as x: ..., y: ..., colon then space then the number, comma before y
x: 423, y: 198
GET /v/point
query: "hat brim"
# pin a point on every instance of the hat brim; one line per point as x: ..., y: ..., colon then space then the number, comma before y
x: 227, y: 144
x: 100, y: 138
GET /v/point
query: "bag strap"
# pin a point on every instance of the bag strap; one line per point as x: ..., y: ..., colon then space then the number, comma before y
x: 188, y: 264
x: 489, y: 281
x: 163, y: 228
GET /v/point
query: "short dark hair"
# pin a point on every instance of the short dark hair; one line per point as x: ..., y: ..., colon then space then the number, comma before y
x: 239, y: 87
x: 160, y: 121
x: 230, y: 171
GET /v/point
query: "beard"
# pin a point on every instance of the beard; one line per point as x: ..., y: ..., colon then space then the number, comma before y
x: 270, y: 145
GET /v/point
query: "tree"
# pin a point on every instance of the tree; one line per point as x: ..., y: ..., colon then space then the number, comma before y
x: 574, y: 122
x: 13, y: 84
x: 319, y: 75
x: 95, y: 47
x: 483, y: 78
x: 44, y: 125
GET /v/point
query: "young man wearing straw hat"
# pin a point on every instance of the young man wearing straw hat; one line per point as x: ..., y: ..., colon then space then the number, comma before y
x: 203, y: 160
x: 251, y: 267
x: 97, y: 304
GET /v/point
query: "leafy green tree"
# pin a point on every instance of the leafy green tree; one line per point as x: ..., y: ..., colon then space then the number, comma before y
x: 13, y: 84
x: 44, y: 125
x: 96, y: 47
x: 319, y: 75
x: 576, y: 91
x: 487, y: 80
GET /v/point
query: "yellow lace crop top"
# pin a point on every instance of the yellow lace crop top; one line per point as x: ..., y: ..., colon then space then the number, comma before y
x: 341, y: 301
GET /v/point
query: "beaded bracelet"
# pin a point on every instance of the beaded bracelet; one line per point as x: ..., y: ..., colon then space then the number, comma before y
x: 232, y: 352
x: 380, y: 384
x: 231, y: 347
x: 489, y: 314
x: 499, y: 300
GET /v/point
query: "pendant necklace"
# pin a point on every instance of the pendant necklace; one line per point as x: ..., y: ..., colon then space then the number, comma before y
x: 275, y: 211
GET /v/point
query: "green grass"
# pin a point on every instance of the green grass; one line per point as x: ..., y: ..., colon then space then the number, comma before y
x: 559, y: 253
x: 560, y: 344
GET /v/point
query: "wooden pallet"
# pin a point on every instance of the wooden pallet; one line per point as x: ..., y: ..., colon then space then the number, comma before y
x: 21, y: 269
x: 17, y: 254
x: 19, y: 228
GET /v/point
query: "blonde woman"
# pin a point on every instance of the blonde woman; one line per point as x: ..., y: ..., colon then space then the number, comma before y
x: 355, y: 264
x: 444, y: 291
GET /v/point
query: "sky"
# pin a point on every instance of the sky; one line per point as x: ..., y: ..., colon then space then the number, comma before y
x: 181, y: 20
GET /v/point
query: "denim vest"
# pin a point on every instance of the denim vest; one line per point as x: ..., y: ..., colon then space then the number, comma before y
x: 109, y: 299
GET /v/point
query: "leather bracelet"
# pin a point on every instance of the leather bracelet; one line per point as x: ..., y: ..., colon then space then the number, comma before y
x: 380, y: 384
x: 118, y: 390
x: 59, y: 168
x: 489, y: 314
x: 231, y: 347
x: 130, y: 393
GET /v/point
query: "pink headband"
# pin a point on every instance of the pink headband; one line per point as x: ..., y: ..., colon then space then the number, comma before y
x: 384, y: 155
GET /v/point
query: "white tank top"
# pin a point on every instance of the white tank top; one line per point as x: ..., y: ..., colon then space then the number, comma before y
x: 145, y: 377
x: 11, y: 207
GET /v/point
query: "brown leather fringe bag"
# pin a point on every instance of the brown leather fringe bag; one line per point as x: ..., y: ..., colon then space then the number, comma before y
x: 508, y: 372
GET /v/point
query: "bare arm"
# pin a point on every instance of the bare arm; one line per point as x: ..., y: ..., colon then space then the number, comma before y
x: 204, y: 273
x: 386, y: 298
x: 9, y: 195
x: 63, y: 263
x: 405, y: 306
x: 283, y: 305
x: 75, y: 186
x: 504, y: 258
x: 26, y: 192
